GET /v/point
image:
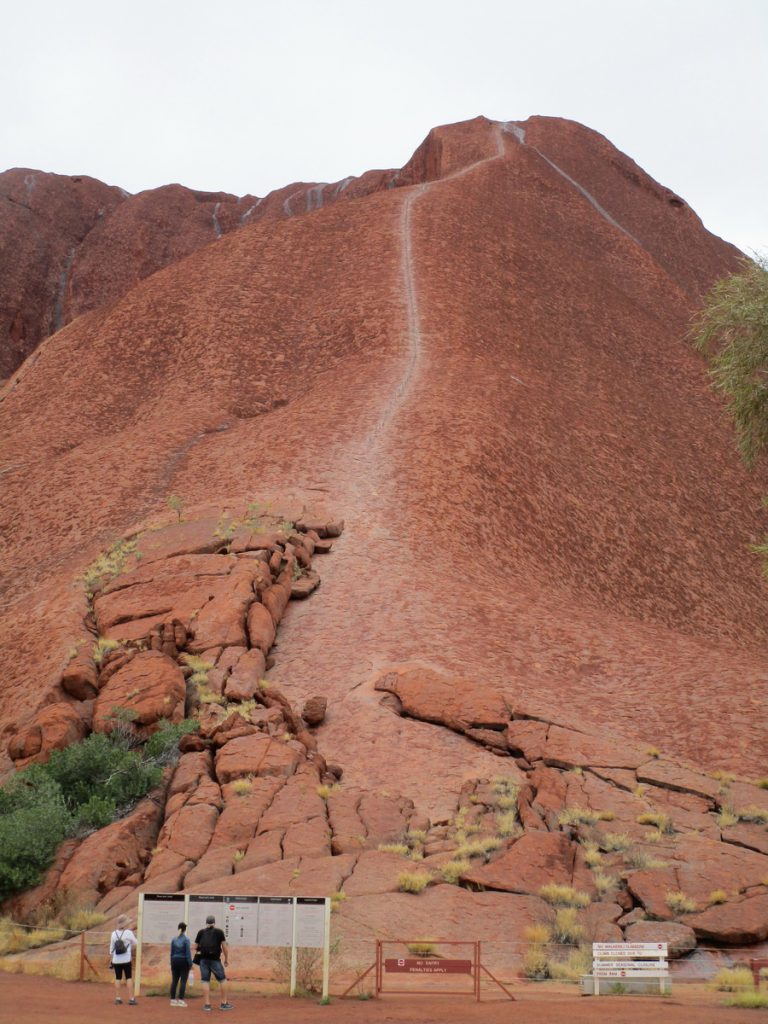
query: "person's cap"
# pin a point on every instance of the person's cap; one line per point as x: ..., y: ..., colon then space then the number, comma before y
x: 122, y: 921
x: 210, y: 919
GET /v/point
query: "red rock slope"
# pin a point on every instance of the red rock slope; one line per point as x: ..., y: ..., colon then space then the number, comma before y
x: 483, y: 370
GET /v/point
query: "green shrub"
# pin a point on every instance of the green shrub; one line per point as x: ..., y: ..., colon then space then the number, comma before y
x: 33, y: 821
x: 81, y: 788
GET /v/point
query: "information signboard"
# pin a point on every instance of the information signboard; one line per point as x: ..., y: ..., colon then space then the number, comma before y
x: 241, y: 920
x: 161, y: 916
x: 310, y: 922
x: 275, y: 921
x: 199, y: 908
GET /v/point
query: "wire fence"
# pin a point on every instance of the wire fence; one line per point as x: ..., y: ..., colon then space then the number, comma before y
x: 61, y: 953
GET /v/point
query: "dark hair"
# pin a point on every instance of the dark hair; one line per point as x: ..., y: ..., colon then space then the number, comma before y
x: 182, y: 926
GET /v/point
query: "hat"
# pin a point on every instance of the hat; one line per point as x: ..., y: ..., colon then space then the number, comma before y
x: 122, y: 921
x: 210, y: 919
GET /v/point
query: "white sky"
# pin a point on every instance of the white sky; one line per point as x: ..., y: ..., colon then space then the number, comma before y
x: 248, y: 95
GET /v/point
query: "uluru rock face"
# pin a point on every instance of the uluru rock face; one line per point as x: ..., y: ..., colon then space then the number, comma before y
x: 481, y: 366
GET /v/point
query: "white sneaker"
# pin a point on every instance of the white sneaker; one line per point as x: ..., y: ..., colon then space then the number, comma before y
x: 174, y: 1002
x: 180, y: 1002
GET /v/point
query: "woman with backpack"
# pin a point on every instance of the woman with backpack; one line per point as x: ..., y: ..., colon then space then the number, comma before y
x: 121, y: 946
x: 181, y: 962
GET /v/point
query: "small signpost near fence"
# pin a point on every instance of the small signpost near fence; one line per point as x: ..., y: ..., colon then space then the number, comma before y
x: 288, y: 922
x: 629, y: 960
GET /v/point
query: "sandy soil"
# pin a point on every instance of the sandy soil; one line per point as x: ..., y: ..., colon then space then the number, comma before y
x: 24, y: 1000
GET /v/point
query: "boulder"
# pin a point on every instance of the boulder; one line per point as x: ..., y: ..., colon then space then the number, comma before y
x: 53, y: 728
x: 314, y: 710
x: 261, y: 627
x: 737, y: 923
x: 151, y: 686
x: 243, y: 682
x: 680, y: 938
x: 566, y: 748
x: 80, y: 676
x: 452, y: 701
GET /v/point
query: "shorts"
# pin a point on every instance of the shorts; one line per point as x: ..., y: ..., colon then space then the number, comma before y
x: 212, y: 967
x: 122, y: 970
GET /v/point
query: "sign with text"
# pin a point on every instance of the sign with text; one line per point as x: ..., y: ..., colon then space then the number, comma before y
x: 161, y: 916
x: 632, y: 949
x: 241, y: 920
x: 310, y: 922
x: 199, y: 908
x: 427, y: 965
x: 275, y: 921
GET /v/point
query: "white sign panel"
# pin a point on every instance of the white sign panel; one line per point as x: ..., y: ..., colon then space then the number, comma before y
x: 630, y: 972
x: 199, y: 908
x: 614, y: 949
x: 161, y: 916
x: 241, y: 920
x: 624, y: 965
x: 310, y: 922
x: 275, y: 921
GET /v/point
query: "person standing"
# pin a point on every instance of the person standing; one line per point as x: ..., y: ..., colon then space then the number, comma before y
x: 121, y: 945
x: 211, y: 943
x: 181, y: 961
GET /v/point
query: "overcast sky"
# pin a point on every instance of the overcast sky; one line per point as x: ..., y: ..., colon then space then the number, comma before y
x: 248, y: 95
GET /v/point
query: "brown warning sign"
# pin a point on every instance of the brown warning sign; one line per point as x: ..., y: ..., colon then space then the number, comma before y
x: 429, y: 965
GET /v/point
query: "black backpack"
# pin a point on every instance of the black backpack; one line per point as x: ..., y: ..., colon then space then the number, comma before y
x: 208, y: 944
x: 120, y: 946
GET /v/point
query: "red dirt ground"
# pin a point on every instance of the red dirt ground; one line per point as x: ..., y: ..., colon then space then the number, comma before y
x: 32, y: 1000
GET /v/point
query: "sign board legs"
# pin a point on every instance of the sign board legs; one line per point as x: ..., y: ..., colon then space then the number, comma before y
x: 294, y: 953
x: 327, y: 950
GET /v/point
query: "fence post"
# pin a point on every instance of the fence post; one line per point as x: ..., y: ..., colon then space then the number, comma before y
x: 82, y: 956
x: 327, y: 949
x: 294, y: 952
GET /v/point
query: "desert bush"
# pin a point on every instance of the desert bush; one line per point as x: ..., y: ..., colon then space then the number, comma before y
x: 753, y: 1000
x: 679, y: 903
x: 663, y: 822
x: 578, y: 963
x: 413, y: 881
x: 454, y: 869
x: 242, y: 787
x: 731, y: 979
x: 564, y: 895
x: 538, y: 934
x: 578, y: 816
x: 400, y: 848
x: 566, y: 928
x: 82, y: 919
x: 109, y: 564
x: 324, y: 790
x: 615, y: 842
x: 423, y: 947
x: 605, y: 883
x: 727, y: 817
x: 176, y: 504
x: 536, y: 964
x: 718, y: 896
x: 104, y: 646
x: 758, y: 815
x: 33, y: 821
x: 592, y: 856
x: 641, y: 860
x: 506, y: 824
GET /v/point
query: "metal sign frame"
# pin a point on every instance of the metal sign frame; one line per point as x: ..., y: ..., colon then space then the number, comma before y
x: 182, y: 901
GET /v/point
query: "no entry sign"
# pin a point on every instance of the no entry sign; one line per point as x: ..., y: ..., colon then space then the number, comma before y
x: 429, y: 965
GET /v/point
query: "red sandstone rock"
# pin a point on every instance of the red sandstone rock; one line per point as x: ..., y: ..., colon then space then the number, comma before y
x: 255, y: 755
x: 261, y: 627
x: 565, y: 748
x: 735, y: 924
x: 80, y: 677
x: 680, y: 938
x: 108, y: 856
x: 243, y: 682
x: 536, y: 859
x: 457, y: 703
x: 55, y: 727
x: 151, y: 685
x: 314, y: 710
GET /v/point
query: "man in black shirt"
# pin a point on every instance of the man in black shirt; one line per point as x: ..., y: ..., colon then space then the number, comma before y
x: 211, y: 942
